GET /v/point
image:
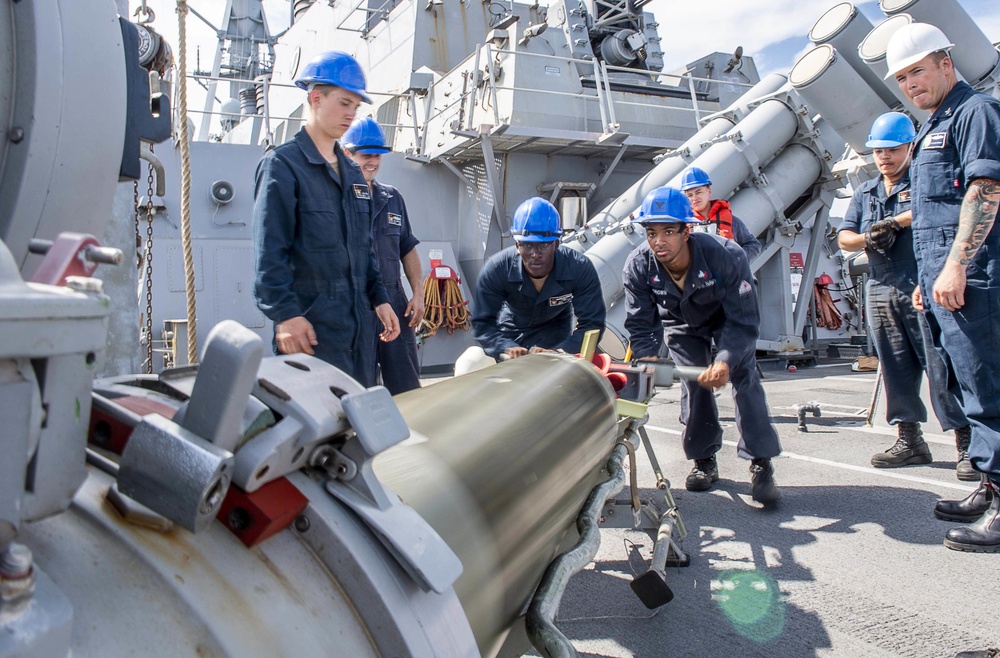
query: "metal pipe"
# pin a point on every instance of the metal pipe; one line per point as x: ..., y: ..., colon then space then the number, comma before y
x: 804, y: 299
x: 872, y: 52
x: 784, y: 179
x: 599, y: 88
x: 753, y: 141
x: 833, y: 88
x: 610, y: 99
x: 694, y: 97
x: 844, y: 27
x: 490, y: 63
x: 504, y: 493
x: 668, y: 169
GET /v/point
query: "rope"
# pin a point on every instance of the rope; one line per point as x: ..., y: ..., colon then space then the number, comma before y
x: 189, y: 281
x: 827, y: 313
x: 445, y: 307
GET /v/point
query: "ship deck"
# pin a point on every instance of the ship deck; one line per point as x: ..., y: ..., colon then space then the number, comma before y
x: 850, y: 563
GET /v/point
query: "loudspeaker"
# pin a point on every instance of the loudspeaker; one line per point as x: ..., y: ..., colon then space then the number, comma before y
x: 222, y: 192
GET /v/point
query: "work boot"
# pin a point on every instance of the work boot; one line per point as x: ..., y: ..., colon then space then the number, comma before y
x: 704, y: 473
x: 982, y: 536
x: 963, y: 469
x: 908, y: 450
x: 762, y: 486
x: 979, y: 653
x: 969, y: 508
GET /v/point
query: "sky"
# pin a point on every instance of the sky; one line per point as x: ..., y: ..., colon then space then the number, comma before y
x: 772, y: 31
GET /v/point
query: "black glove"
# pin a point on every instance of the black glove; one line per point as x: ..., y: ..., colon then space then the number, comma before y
x: 882, y: 234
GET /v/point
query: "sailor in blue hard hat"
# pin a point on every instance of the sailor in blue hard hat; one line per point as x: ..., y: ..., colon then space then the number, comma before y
x: 878, y: 221
x: 395, y: 245
x: 716, y: 215
x: 316, y: 277
x: 536, y: 296
x: 691, y: 289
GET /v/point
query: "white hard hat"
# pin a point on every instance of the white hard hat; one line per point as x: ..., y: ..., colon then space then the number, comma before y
x: 911, y: 43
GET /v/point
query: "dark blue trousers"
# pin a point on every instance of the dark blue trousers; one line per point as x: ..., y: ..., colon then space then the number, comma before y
x: 702, y: 435
x: 397, y: 359
x: 905, y: 350
x: 970, y: 337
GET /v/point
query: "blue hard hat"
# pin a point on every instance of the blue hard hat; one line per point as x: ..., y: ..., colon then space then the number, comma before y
x: 337, y: 69
x: 694, y: 177
x: 890, y: 130
x: 666, y: 205
x: 365, y: 136
x: 536, y: 220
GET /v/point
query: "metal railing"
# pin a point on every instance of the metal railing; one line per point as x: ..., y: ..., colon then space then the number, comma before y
x: 480, y: 86
x: 263, y: 110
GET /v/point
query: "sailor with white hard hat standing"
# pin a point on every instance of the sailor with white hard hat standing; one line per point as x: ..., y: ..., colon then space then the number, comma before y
x: 956, y: 190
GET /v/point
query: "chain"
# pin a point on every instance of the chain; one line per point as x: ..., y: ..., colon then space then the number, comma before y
x: 135, y: 210
x: 148, y: 258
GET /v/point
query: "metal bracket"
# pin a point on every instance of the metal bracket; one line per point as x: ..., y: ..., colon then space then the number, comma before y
x: 305, y: 392
x: 493, y: 178
x: 222, y: 387
x: 607, y: 174
x: 455, y: 170
x: 412, y: 541
x: 174, y: 472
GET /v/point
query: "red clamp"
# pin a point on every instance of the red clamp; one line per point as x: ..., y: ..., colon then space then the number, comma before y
x: 602, y: 362
x: 253, y: 517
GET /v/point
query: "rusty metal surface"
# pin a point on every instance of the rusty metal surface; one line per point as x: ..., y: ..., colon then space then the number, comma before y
x: 137, y: 591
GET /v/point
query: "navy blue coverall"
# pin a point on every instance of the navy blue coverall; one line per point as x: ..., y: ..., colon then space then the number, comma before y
x: 393, y: 240
x: 961, y: 142
x: 718, y: 301
x: 900, y: 332
x: 313, y: 251
x: 509, y: 312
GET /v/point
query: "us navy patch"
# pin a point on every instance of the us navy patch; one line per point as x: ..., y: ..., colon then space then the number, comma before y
x: 362, y: 192
x: 395, y: 220
x: 560, y: 300
x: 904, y: 195
x: 935, y: 140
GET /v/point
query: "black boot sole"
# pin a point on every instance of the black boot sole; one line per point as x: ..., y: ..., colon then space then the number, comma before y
x: 701, y: 485
x: 958, y: 518
x: 972, y: 548
x: 918, y: 460
x: 773, y: 502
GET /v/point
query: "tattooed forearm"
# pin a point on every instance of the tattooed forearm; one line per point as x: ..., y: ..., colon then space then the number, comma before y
x: 979, y: 211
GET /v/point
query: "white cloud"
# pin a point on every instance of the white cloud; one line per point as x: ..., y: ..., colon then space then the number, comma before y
x: 692, y: 29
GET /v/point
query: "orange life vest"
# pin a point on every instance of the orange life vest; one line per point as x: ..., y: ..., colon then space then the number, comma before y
x: 720, y: 215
